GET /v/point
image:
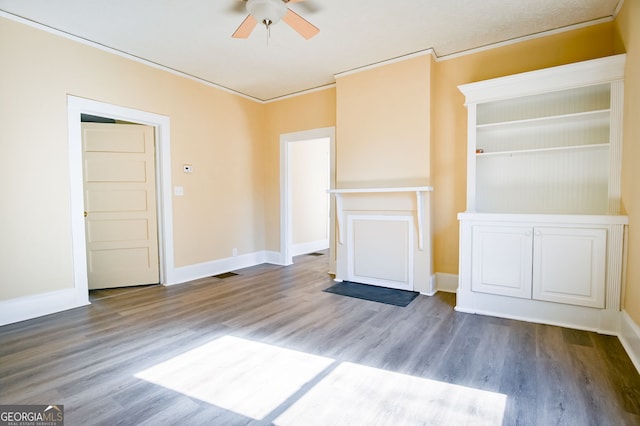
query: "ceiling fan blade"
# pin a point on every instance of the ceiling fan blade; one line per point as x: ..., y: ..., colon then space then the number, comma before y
x: 305, y: 28
x: 245, y: 29
x: 239, y: 6
x: 308, y: 6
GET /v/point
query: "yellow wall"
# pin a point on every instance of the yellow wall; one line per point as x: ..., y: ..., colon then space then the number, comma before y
x: 449, y: 116
x: 630, y: 38
x: 383, y: 125
x: 219, y: 133
x: 310, y: 111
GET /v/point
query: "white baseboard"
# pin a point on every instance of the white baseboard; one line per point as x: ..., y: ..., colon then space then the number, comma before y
x: 447, y: 283
x: 29, y: 307
x: 630, y: 338
x: 310, y: 247
x: 38, y: 305
x: 185, y: 274
x: 440, y: 281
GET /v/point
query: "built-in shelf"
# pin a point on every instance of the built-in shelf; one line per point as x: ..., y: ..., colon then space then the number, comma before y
x: 418, y: 190
x: 555, y: 148
x: 542, y: 238
x: 381, y: 190
x: 540, y: 120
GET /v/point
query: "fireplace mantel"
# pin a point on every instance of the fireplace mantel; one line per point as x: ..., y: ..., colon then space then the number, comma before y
x: 418, y: 190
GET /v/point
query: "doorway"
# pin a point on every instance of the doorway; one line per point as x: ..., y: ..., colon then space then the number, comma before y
x: 302, y: 147
x: 161, y: 124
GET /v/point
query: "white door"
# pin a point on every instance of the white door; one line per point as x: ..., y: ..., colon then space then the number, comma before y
x: 501, y: 260
x: 120, y: 205
x: 569, y: 265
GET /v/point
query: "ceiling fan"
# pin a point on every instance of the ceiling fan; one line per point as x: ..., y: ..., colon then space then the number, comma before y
x: 270, y: 12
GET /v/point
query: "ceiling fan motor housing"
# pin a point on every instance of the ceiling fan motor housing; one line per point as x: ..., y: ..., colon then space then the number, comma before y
x: 267, y: 12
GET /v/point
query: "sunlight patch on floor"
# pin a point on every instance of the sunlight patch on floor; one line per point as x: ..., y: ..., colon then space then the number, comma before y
x: 353, y: 394
x: 287, y: 387
x: 243, y: 376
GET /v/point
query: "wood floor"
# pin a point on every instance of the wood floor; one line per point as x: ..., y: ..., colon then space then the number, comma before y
x: 269, y: 347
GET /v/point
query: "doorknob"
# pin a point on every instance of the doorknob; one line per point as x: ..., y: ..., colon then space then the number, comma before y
x: 86, y: 214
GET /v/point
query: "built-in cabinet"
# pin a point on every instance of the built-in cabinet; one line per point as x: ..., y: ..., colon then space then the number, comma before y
x: 551, y: 263
x: 542, y: 237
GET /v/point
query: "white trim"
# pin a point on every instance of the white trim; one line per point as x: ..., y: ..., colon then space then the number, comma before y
x: 77, y: 106
x: 565, y: 219
x: 432, y: 289
x: 615, y: 146
x: 419, y: 190
x: 630, y: 338
x: 440, y: 281
x: 595, y: 71
x: 568, y: 316
x: 617, y: 10
x: 430, y: 51
x: 286, y: 253
x: 188, y: 273
x: 385, y: 62
x: 37, y: 305
x: 309, y: 247
x: 381, y: 190
x: 524, y: 38
x: 526, y: 318
x: 122, y: 54
x: 300, y: 93
x: 447, y: 283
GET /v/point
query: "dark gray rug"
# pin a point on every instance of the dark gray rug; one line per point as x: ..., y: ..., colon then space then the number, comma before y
x: 390, y: 296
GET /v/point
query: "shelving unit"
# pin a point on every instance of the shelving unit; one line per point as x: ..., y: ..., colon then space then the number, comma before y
x: 541, y: 239
x: 562, y: 139
x: 533, y: 150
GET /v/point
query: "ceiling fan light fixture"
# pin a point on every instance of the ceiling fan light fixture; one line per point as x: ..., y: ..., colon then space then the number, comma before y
x: 267, y: 12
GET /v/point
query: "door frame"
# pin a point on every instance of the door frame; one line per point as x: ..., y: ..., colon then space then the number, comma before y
x: 77, y: 106
x: 285, y: 189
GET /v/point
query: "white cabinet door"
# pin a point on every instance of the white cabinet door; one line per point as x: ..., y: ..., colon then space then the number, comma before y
x: 569, y: 265
x: 501, y: 260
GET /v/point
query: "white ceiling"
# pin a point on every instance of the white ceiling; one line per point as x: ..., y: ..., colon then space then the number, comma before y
x: 194, y: 36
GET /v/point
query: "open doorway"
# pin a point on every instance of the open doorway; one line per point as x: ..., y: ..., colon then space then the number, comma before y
x: 308, y: 173
x: 307, y: 170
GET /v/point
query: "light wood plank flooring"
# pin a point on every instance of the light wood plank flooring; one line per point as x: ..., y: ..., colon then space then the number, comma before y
x: 269, y: 347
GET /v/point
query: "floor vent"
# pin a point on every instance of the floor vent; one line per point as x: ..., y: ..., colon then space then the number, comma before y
x: 225, y: 275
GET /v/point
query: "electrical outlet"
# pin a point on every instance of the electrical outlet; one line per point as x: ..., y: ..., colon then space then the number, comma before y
x: 234, y: 252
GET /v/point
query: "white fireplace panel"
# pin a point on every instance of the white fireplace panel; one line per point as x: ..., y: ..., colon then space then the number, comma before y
x: 380, y: 250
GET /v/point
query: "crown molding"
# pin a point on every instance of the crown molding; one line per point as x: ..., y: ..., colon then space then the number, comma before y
x: 524, y: 38
x: 300, y: 93
x: 385, y: 62
x: 122, y: 54
x: 429, y: 51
